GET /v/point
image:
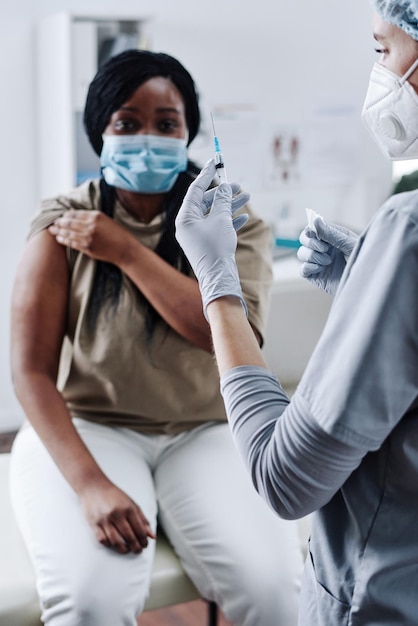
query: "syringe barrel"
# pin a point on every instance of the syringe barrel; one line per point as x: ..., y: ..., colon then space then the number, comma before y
x: 220, y: 167
x: 222, y: 175
x: 219, y: 160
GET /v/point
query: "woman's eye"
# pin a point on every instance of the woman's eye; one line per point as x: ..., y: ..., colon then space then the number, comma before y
x: 168, y: 126
x: 380, y: 50
x: 124, y: 125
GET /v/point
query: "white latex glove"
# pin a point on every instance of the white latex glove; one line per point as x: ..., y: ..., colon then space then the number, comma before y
x: 206, y: 231
x: 324, y: 253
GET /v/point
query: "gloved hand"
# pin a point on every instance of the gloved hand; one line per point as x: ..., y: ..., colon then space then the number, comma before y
x: 324, y: 253
x: 208, y: 238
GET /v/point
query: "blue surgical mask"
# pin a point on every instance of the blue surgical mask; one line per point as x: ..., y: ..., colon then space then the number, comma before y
x: 143, y: 163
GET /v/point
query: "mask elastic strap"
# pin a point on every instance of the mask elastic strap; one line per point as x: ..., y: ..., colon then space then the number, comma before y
x: 409, y: 72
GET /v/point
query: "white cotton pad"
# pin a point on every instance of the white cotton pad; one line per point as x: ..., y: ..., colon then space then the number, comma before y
x: 311, y: 215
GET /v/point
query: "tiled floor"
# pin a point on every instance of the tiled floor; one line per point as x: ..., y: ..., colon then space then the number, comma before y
x: 190, y: 614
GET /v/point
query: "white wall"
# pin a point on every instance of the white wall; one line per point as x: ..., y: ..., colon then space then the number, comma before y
x: 278, y: 55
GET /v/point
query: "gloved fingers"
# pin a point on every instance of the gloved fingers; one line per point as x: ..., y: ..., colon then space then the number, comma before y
x: 342, y: 229
x: 341, y: 238
x: 239, y: 201
x: 197, y: 195
x: 222, y: 201
x: 346, y: 246
x: 207, y: 200
x: 307, y: 270
x: 307, y: 255
x: 206, y: 175
x: 239, y: 221
x: 309, y: 239
x: 236, y: 187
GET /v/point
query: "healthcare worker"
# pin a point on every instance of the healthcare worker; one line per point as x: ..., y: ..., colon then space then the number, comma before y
x: 135, y: 426
x: 346, y: 445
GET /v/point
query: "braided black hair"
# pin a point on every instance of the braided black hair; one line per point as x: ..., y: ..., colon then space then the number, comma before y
x: 121, y: 75
x: 113, y: 85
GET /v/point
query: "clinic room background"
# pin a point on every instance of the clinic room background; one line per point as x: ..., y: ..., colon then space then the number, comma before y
x: 291, y: 134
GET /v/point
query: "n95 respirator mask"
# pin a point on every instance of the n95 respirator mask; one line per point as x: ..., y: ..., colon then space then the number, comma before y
x: 390, y: 113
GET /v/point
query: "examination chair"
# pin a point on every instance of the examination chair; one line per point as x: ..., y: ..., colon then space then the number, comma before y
x: 18, y: 599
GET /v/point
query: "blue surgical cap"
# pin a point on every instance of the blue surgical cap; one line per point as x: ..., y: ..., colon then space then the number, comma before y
x: 401, y: 13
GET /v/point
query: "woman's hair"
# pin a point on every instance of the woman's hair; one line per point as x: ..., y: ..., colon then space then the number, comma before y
x: 121, y: 75
x: 113, y: 85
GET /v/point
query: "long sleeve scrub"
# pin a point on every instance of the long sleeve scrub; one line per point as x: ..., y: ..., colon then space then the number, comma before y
x: 346, y: 446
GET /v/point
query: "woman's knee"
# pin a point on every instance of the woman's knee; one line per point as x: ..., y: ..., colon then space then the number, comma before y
x: 94, y: 601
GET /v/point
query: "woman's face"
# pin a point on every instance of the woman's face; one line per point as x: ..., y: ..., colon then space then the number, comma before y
x: 397, y: 50
x: 155, y: 108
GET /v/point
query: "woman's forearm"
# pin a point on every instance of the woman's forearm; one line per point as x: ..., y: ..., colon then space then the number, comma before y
x: 294, y: 464
x: 233, y: 339
x: 174, y: 295
x: 38, y: 320
x: 47, y: 412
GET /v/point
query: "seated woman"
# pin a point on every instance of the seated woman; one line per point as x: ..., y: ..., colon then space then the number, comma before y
x: 112, y: 363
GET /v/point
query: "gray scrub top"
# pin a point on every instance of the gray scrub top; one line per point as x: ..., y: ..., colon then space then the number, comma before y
x: 346, y: 446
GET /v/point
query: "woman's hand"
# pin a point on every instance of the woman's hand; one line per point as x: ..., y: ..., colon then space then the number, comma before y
x: 93, y: 233
x: 209, y: 238
x: 117, y: 521
x: 324, y: 253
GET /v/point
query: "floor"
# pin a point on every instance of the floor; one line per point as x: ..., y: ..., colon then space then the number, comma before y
x: 190, y: 614
x: 6, y: 440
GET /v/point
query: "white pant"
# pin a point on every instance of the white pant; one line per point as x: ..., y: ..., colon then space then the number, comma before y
x: 234, y: 548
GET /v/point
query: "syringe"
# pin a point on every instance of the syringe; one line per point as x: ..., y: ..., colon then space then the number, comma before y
x: 219, y: 157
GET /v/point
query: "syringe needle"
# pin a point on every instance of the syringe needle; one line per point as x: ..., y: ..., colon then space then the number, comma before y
x: 219, y: 159
x: 213, y: 125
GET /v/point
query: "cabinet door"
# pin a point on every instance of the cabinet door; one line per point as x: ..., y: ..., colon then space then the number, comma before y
x: 70, y: 49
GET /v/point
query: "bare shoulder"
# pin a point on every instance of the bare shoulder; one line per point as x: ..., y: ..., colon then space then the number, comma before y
x: 43, y: 268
